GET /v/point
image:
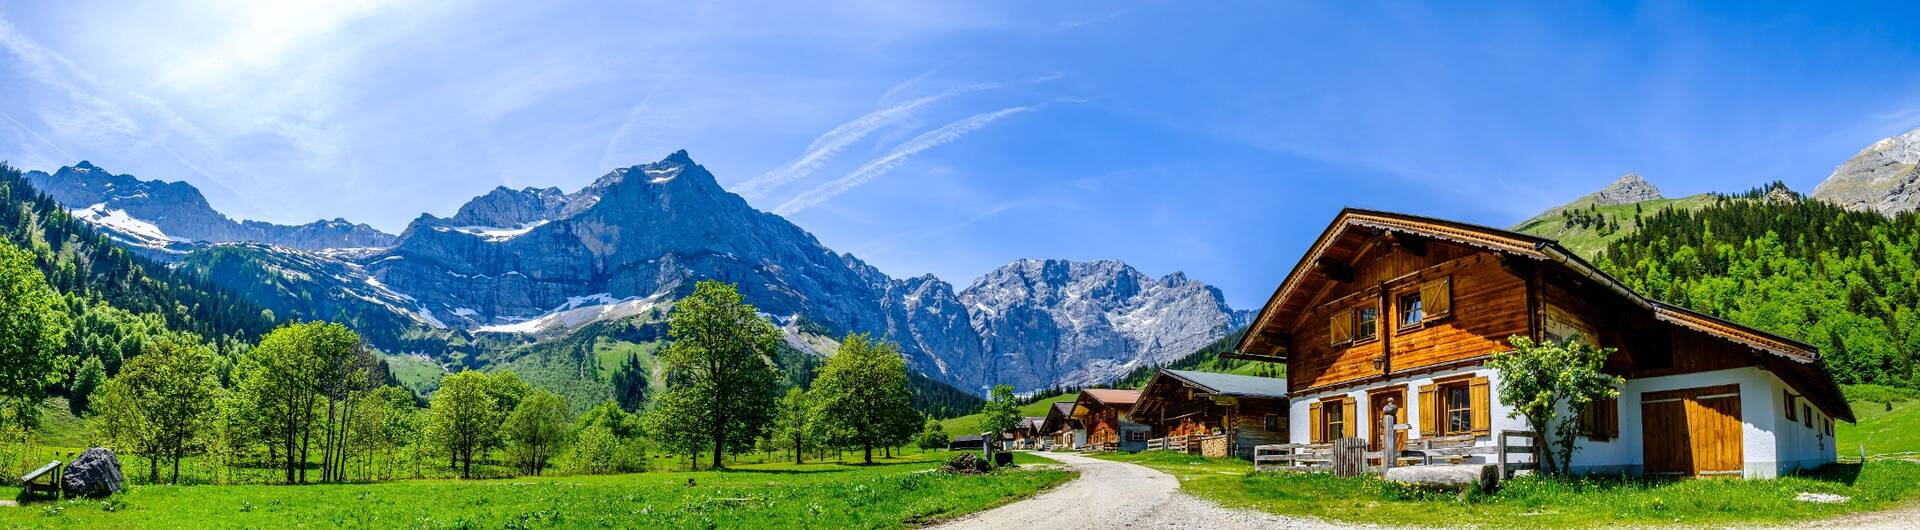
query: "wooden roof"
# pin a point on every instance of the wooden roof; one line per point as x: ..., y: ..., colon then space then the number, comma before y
x: 1353, y: 230
x: 1104, y: 397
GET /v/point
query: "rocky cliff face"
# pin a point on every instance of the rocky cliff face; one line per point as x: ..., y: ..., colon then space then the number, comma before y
x: 1884, y: 177
x: 154, y: 214
x: 1057, y: 322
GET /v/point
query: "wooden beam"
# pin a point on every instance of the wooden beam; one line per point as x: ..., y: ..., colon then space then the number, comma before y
x: 1412, y: 244
x: 1334, y: 270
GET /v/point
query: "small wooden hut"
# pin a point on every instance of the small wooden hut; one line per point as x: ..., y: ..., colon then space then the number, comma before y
x: 1212, y: 414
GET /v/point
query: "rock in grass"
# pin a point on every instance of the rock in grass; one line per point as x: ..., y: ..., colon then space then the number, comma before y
x: 96, y: 473
x: 1821, y: 498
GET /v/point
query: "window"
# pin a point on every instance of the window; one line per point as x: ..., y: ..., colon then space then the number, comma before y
x: 1457, y: 403
x: 1136, y: 436
x: 1806, y: 415
x: 1334, y: 418
x: 1787, y: 395
x: 1273, y: 423
x: 1410, y: 314
x: 1366, y: 323
x: 1600, y: 420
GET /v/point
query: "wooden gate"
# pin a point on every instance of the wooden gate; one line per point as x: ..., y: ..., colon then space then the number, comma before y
x: 1694, y: 431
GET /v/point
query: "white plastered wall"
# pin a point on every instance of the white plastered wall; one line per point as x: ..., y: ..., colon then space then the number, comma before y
x: 1765, y: 453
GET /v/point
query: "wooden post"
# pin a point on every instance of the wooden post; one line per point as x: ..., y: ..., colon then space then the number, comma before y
x: 1389, y: 421
x: 1349, y: 457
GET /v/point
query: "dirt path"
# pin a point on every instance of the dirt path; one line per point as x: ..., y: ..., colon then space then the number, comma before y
x: 1121, y: 495
x: 1903, y: 517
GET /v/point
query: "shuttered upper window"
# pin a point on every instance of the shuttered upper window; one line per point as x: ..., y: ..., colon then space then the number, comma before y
x: 1432, y: 301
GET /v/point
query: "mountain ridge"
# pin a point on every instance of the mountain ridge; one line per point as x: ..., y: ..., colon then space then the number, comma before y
x: 540, y: 262
x: 166, y: 213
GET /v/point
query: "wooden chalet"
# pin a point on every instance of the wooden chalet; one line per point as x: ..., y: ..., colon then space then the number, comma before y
x: 1027, y: 433
x: 1388, y: 307
x: 1212, y: 414
x: 1061, y: 429
x: 1104, y: 412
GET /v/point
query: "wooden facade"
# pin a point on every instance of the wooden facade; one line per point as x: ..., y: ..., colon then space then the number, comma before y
x: 1389, y: 307
x: 1215, y: 414
x: 1104, y: 413
x: 1059, y: 426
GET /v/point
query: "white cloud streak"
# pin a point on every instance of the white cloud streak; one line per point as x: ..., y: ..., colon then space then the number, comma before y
x: 839, y: 138
x: 878, y: 167
x: 43, y: 139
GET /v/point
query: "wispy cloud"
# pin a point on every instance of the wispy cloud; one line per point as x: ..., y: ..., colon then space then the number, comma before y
x: 878, y: 167
x: 846, y: 134
x: 43, y: 139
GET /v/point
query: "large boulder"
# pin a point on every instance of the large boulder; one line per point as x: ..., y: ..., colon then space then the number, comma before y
x: 96, y: 473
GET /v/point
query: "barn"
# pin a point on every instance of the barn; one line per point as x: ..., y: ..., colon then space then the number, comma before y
x: 1395, y: 308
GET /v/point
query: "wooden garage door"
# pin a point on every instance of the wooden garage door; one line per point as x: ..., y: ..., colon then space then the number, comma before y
x: 1694, y: 431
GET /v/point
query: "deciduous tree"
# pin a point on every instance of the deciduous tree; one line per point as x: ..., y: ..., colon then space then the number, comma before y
x: 721, y: 380
x: 465, y: 418
x: 1542, y: 380
x: 863, y: 391
x: 536, y: 429
x: 33, y: 330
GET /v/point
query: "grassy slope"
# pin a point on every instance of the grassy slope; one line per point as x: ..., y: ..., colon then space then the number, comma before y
x: 890, y: 494
x: 419, y: 374
x: 1880, y: 431
x: 970, y: 424
x: 1588, y: 242
x: 1604, y: 502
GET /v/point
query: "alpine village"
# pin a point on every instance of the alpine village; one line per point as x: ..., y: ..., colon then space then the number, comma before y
x: 661, y: 345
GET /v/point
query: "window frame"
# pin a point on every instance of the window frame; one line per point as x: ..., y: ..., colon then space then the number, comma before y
x: 1360, y: 336
x: 1447, y: 409
x: 1401, y: 311
x: 1333, y: 422
x: 1272, y: 423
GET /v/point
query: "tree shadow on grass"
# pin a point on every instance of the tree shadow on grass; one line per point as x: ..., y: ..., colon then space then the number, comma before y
x: 1836, y: 472
x: 834, y: 466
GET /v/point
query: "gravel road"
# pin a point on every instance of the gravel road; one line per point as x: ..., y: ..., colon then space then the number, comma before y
x: 1121, y: 495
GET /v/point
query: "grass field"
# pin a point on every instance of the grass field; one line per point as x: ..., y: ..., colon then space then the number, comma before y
x: 1526, y: 502
x: 970, y: 424
x: 1880, y: 431
x: 889, y: 494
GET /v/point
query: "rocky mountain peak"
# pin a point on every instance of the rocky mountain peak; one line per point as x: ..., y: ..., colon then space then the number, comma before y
x: 1629, y: 188
x: 162, y: 213
x: 1884, y: 177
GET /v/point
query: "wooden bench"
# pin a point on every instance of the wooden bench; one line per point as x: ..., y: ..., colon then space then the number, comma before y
x: 1454, y: 449
x: 1276, y: 456
x: 49, y: 472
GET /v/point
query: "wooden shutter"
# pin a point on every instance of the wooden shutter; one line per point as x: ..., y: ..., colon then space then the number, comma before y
x: 1341, y: 324
x: 1436, y: 298
x: 1429, y: 410
x: 1477, y: 394
x: 1347, y: 416
x: 1601, y: 419
x: 1315, y: 424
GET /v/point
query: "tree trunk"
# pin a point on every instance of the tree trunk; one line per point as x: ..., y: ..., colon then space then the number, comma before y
x: 797, y: 451
x: 867, y: 448
x: 176, y: 466
x: 327, y: 444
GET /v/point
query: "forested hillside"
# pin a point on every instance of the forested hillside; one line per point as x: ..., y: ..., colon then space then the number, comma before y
x: 1846, y: 282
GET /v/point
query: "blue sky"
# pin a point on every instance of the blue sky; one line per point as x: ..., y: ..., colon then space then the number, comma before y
x: 1211, y: 138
